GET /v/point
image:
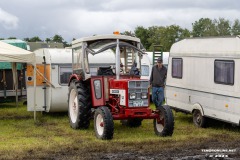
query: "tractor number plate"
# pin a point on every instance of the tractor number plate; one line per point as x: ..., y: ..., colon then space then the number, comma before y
x: 137, y: 103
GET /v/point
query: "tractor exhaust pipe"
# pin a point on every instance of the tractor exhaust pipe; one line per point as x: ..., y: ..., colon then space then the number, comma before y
x: 117, y: 60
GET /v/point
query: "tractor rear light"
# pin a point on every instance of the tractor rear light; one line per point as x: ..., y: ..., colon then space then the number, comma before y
x: 144, y: 95
x: 132, y: 96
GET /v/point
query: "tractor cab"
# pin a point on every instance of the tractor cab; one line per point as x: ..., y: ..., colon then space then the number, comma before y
x: 122, y: 56
x: 113, y: 91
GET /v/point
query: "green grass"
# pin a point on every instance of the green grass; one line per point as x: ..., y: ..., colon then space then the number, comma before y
x: 51, y: 135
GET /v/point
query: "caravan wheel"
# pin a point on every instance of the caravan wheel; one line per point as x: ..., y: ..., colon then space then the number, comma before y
x: 198, y: 119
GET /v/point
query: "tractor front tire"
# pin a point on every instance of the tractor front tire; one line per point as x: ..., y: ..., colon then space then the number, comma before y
x: 79, y: 105
x: 164, y: 124
x: 103, y: 123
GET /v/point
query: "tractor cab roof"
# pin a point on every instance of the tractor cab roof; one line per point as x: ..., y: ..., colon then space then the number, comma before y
x: 93, y: 39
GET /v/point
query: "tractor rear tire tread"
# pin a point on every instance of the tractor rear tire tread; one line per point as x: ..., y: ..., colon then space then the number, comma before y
x: 84, y: 114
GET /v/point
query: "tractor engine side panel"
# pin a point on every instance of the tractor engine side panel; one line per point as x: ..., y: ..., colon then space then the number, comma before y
x: 97, y: 93
x: 120, y: 87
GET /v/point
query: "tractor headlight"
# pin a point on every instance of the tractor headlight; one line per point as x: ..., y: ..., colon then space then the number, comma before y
x: 97, y: 88
x: 144, y: 95
x: 132, y: 96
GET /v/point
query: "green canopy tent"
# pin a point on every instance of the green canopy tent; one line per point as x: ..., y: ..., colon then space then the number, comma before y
x: 6, y: 75
x: 10, y: 53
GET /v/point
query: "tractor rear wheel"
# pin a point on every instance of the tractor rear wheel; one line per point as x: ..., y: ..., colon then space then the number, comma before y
x: 135, y: 122
x: 103, y: 123
x: 79, y: 105
x: 164, y: 124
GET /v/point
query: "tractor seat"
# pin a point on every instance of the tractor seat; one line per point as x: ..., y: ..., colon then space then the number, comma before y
x: 103, y: 71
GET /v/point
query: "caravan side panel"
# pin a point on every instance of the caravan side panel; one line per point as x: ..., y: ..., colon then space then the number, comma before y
x: 197, y: 86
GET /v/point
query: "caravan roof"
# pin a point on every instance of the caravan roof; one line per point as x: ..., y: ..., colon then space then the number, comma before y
x: 207, y: 47
x: 54, y: 55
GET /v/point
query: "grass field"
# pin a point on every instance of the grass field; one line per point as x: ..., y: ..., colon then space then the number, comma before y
x: 52, y: 138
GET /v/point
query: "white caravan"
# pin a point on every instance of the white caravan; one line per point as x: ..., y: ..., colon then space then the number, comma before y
x: 203, y: 78
x: 52, y: 90
x: 54, y: 67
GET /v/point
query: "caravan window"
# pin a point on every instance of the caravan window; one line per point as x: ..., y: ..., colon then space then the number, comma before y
x: 224, y: 72
x: 145, y: 70
x: 177, y: 67
x: 64, y: 74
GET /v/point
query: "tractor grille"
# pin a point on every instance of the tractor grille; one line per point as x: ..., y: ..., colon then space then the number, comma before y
x: 139, y: 89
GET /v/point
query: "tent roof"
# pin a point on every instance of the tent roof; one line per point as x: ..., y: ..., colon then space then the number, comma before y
x: 10, y: 53
x: 16, y: 42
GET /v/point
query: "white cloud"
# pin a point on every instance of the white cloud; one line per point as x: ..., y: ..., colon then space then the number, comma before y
x: 7, y: 20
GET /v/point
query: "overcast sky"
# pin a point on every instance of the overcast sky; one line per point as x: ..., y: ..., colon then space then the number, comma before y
x: 79, y: 18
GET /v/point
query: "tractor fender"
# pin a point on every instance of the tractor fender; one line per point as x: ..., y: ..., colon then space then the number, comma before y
x: 72, y: 77
x: 197, y: 106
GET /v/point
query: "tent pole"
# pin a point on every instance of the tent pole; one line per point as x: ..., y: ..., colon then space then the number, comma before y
x: 34, y: 83
x: 16, y: 86
x: 15, y: 81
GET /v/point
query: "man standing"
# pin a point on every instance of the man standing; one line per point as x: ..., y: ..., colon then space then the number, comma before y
x: 157, y: 80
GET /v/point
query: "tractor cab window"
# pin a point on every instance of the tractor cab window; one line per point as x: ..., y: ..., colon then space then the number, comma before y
x: 103, y: 53
x: 134, y: 63
x: 86, y: 64
x: 77, y: 58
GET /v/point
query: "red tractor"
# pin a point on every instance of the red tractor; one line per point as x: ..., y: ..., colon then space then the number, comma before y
x: 112, y: 91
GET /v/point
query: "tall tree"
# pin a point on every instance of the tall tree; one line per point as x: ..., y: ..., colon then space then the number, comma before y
x: 223, y: 27
x: 128, y: 33
x: 172, y: 34
x: 26, y: 39
x: 204, y: 27
x: 57, y: 38
x: 154, y: 36
x: 35, y: 39
x: 236, y: 27
x: 48, y: 40
x: 142, y: 34
x: 159, y: 35
x: 12, y: 38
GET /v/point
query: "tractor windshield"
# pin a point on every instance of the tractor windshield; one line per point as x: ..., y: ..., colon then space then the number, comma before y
x: 103, y: 53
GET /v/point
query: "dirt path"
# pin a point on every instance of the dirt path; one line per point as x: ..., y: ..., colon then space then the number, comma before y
x: 206, y: 150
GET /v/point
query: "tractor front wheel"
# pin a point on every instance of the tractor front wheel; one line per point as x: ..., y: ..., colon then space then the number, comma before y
x: 103, y: 123
x: 164, y: 124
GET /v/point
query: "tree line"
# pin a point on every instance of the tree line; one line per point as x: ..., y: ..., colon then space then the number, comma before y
x: 167, y: 35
